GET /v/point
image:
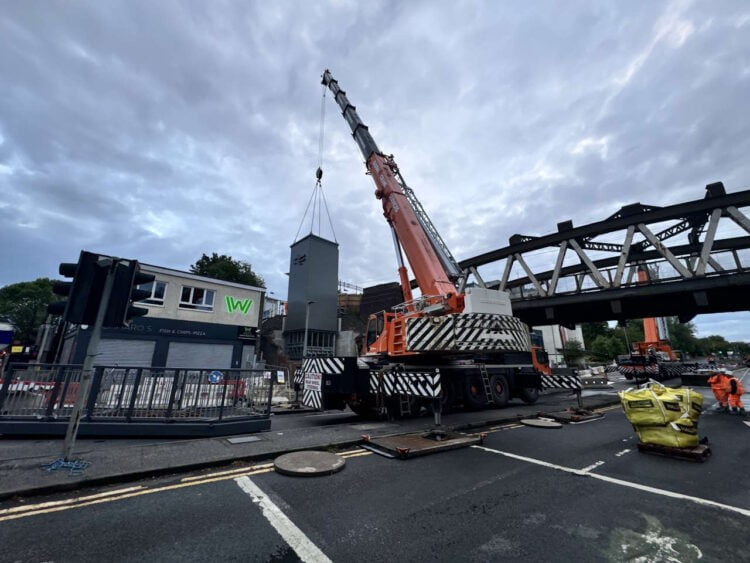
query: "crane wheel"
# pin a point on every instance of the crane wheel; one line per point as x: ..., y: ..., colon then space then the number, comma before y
x: 500, y: 389
x: 529, y: 395
x: 474, y: 395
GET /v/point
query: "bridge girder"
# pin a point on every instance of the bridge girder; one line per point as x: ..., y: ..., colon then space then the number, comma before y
x: 706, y: 275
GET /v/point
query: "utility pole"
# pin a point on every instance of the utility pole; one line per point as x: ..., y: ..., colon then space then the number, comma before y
x: 88, y: 364
x: 307, y: 322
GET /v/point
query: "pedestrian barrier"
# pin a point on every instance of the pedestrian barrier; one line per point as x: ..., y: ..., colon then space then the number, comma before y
x: 38, y: 398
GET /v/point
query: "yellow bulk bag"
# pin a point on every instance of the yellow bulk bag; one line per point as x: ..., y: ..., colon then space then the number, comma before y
x: 691, y: 402
x: 654, y: 406
x: 679, y: 434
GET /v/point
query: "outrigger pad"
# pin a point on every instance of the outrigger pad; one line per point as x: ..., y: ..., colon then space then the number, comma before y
x: 572, y: 416
x: 420, y: 443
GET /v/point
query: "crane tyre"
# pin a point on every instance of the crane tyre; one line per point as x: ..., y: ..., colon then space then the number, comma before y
x: 474, y: 395
x: 530, y: 395
x: 447, y: 396
x: 365, y: 409
x: 500, y: 389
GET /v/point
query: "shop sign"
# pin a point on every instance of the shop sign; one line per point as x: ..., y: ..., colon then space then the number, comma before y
x: 247, y: 332
x: 242, y: 305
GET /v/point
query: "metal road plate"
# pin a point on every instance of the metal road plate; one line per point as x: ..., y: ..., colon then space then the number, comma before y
x: 541, y: 423
x: 243, y: 439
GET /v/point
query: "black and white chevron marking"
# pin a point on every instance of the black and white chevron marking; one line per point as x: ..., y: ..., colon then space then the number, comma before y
x: 398, y: 382
x: 299, y: 376
x: 561, y: 382
x: 652, y: 370
x: 469, y: 332
x: 323, y: 365
x: 312, y: 399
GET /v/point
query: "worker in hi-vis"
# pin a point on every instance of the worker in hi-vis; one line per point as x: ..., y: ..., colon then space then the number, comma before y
x: 728, y: 391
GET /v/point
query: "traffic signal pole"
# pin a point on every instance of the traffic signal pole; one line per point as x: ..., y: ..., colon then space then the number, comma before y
x: 88, y: 365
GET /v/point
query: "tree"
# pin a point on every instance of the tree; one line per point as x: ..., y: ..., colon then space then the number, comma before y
x: 607, y: 348
x: 573, y: 352
x: 682, y: 337
x: 714, y: 344
x: 24, y: 304
x: 225, y: 268
x: 593, y: 330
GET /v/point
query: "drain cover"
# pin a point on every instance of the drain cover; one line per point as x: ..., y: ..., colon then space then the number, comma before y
x: 308, y: 464
x: 541, y: 423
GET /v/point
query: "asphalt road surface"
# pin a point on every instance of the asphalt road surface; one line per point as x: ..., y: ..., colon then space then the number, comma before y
x: 579, y: 493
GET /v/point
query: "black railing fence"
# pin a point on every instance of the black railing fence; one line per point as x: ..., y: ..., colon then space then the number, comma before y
x: 137, y: 394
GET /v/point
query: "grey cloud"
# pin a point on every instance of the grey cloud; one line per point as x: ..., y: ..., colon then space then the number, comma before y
x: 164, y: 130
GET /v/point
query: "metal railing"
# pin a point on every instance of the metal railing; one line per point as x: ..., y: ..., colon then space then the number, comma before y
x: 125, y: 394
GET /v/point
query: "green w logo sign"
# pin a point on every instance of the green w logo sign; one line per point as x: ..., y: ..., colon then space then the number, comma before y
x: 241, y: 305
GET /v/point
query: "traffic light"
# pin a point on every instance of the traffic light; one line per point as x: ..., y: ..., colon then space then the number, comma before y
x: 84, y: 293
x: 125, y: 292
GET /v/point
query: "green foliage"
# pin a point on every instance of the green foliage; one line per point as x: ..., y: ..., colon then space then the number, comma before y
x: 24, y: 304
x: 714, y: 344
x: 682, y: 337
x: 573, y: 352
x: 593, y: 330
x: 225, y: 268
x: 606, y: 348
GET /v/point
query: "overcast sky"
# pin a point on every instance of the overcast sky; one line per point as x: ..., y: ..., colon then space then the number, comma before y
x: 163, y: 130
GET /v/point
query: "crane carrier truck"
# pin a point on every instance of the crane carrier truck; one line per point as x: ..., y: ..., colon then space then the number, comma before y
x: 454, y: 344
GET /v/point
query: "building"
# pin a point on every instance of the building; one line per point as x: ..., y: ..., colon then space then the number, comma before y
x: 193, y: 321
x: 554, y: 339
x: 273, y: 307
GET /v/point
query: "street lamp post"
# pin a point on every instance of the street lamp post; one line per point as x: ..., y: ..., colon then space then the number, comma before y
x: 307, y: 322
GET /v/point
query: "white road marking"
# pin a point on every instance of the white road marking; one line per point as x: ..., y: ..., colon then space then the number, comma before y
x: 297, y: 540
x: 614, y: 481
x: 592, y: 466
x: 622, y: 453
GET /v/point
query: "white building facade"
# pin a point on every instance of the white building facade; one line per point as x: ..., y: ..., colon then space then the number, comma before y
x: 192, y: 322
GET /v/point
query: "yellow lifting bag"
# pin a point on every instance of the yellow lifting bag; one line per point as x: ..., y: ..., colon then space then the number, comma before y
x: 691, y: 402
x: 680, y: 434
x: 655, y: 406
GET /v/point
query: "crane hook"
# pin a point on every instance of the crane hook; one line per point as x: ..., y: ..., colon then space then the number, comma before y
x: 319, y: 173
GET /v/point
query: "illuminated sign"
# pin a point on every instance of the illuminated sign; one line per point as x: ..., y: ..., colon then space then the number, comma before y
x: 241, y: 305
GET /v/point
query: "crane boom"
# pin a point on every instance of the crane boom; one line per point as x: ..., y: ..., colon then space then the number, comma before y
x: 433, y: 266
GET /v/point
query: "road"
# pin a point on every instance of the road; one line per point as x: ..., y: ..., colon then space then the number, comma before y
x: 580, y: 493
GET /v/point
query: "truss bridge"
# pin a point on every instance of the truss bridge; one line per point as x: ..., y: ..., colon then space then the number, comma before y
x: 642, y: 261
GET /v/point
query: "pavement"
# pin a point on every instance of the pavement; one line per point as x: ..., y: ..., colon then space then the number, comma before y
x: 117, y: 460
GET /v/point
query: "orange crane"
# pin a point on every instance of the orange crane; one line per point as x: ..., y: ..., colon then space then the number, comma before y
x: 653, y: 345
x: 459, y: 342
x: 653, y: 357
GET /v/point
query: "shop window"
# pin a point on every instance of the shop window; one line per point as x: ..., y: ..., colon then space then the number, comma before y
x: 197, y: 298
x: 158, y: 291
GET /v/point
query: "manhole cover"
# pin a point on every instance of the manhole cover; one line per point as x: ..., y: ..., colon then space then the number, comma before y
x: 541, y: 423
x: 309, y: 464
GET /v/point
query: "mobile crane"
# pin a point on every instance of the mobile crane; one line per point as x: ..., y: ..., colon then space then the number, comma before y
x: 653, y: 358
x: 452, y: 344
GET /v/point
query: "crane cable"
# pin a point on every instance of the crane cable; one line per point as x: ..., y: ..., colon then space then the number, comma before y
x: 314, y: 201
x: 319, y: 171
